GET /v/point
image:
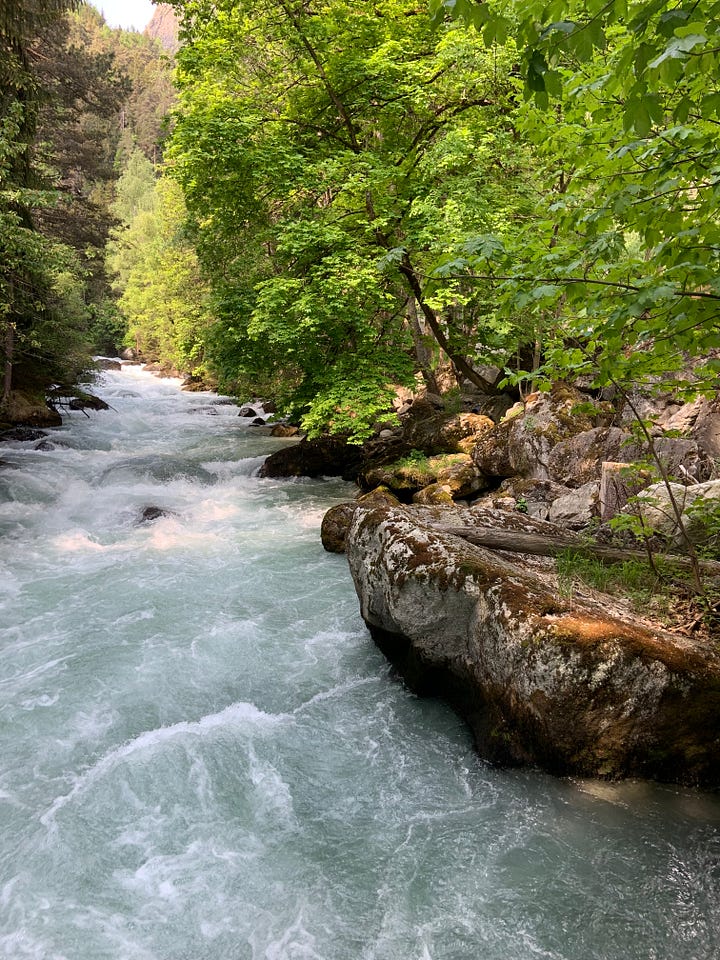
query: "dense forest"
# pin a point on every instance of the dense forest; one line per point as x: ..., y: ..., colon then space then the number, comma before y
x: 80, y: 102
x: 342, y: 196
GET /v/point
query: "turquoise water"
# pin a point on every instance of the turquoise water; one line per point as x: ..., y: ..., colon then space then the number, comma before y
x: 204, y: 757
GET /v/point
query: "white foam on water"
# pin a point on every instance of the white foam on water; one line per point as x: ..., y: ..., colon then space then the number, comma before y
x: 239, y: 715
x: 338, y: 691
x: 326, y: 813
x: 294, y: 943
x: 19, y: 680
x: 19, y: 945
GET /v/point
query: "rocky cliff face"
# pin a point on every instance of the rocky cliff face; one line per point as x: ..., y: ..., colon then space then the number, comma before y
x: 164, y: 27
x: 573, y: 687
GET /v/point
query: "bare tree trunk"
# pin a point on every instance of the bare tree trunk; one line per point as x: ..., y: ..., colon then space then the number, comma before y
x: 422, y: 353
x: 411, y: 277
x: 8, y: 371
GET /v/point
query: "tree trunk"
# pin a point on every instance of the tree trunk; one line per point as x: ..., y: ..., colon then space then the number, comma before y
x: 8, y: 371
x: 542, y: 545
x: 408, y: 272
x: 422, y: 354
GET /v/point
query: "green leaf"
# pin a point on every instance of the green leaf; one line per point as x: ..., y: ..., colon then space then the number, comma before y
x: 678, y: 48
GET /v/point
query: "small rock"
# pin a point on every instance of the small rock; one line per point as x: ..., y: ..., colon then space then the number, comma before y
x: 22, y: 434
x: 434, y: 494
x: 105, y: 363
x: 284, y: 430
x: 150, y: 514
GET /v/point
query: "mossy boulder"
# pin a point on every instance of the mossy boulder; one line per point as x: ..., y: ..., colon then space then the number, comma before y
x: 569, y: 685
x: 29, y: 409
x: 452, y: 476
x: 521, y: 444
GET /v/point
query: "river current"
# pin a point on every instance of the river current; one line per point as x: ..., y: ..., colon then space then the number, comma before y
x: 203, y: 756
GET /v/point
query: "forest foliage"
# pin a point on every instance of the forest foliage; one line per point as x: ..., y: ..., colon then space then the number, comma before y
x: 77, y: 98
x: 373, y: 188
x: 356, y: 195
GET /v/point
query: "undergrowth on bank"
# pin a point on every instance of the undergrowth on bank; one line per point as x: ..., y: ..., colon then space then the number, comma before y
x: 664, y: 594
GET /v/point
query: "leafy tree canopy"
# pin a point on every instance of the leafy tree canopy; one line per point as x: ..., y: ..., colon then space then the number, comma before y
x: 330, y: 154
x: 621, y: 265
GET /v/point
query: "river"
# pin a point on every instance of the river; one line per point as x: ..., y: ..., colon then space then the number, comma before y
x: 203, y: 756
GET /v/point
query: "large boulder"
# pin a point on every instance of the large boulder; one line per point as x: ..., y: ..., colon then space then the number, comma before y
x: 427, y: 428
x: 521, y: 444
x: 570, y: 686
x: 284, y: 430
x: 325, y: 456
x: 578, y: 459
x: 454, y: 472
x: 436, y: 432
x: 107, y: 363
x: 28, y: 409
x: 705, y: 428
x: 655, y: 506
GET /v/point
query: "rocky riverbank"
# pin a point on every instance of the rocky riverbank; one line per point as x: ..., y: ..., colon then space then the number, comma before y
x: 580, y: 685
x: 575, y: 685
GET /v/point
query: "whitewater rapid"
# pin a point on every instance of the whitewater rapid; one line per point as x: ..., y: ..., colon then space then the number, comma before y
x: 204, y: 757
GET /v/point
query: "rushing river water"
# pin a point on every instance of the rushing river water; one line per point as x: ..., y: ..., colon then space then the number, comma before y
x: 204, y: 757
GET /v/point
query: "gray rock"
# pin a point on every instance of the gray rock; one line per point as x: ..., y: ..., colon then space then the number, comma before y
x: 576, y: 508
x: 521, y: 444
x: 22, y: 434
x: 530, y: 496
x: 150, y: 514
x: 579, y: 459
x: 335, y: 526
x: 540, y: 679
x: 655, y: 507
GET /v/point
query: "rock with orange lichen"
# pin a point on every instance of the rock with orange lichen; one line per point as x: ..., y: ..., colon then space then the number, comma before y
x: 569, y: 685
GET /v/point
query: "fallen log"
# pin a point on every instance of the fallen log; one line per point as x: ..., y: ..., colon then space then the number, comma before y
x: 544, y: 545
